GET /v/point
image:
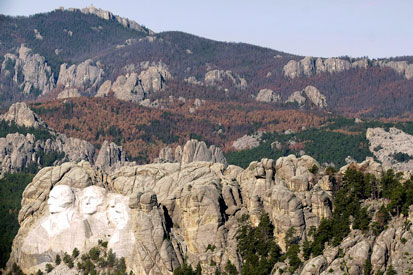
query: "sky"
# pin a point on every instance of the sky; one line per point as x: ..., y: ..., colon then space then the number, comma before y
x: 326, y: 28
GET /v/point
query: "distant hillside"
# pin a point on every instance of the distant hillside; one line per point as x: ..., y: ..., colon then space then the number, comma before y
x: 94, y: 47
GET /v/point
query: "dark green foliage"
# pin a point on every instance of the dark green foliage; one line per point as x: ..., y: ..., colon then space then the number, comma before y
x: 290, y: 237
x: 361, y: 220
x: 58, y: 260
x: 391, y: 271
x: 198, y: 270
x: 186, y: 269
x: 75, y: 253
x: 322, y: 144
x: 306, y: 249
x: 89, y: 262
x: 402, y: 157
x: 16, y: 270
x: 230, y: 269
x: 367, y: 267
x: 11, y: 189
x: 160, y: 129
x: 111, y: 259
x: 94, y: 253
x: 210, y: 247
x: 292, y: 255
x: 66, y: 258
x: 49, y: 268
x: 382, y: 217
x: 11, y: 127
x: 400, y: 194
x: 257, y: 247
x: 39, y: 272
x: 313, y: 169
x: 346, y: 204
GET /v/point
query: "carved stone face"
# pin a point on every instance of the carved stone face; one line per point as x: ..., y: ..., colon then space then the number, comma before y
x: 61, y: 198
x: 117, y: 214
x: 92, y: 197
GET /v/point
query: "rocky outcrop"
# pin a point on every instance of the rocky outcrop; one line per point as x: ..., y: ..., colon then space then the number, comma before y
x: 110, y: 156
x: 310, y: 66
x: 21, y: 114
x: 315, y: 98
x: 29, y: 71
x: 192, y: 151
x: 85, y: 76
x: 154, y: 77
x: 107, y: 15
x: 135, y: 88
x: 385, y: 145
x: 126, y: 88
x: 217, y: 77
x: 247, y: 142
x: 18, y: 151
x: 156, y: 215
x: 267, y: 95
x: 401, y: 67
x: 69, y: 93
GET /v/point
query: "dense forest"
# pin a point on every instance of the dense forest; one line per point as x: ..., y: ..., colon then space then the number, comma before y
x: 144, y: 131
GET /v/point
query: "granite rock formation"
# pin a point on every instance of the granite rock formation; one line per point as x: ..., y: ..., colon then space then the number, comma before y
x: 315, y: 98
x: 385, y: 145
x: 85, y: 76
x: 192, y: 151
x: 217, y: 77
x: 158, y: 214
x: 18, y: 151
x: 267, y: 95
x: 135, y: 88
x: 310, y: 66
x: 29, y: 71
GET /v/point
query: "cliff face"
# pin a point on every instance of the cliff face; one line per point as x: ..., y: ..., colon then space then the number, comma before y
x: 310, y: 66
x: 29, y: 71
x: 156, y: 215
x: 19, y: 151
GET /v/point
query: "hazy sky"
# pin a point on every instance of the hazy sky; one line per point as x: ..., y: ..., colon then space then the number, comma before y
x: 374, y: 28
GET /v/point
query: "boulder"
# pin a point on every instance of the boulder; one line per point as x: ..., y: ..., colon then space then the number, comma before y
x: 267, y: 95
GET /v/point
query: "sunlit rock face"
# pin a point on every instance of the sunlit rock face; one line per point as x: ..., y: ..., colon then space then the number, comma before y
x: 77, y: 214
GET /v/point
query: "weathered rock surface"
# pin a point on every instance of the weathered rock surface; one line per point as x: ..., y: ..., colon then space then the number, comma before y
x: 247, y: 142
x: 159, y: 213
x: 310, y: 66
x: 126, y: 88
x: 401, y: 67
x: 110, y: 156
x: 85, y: 76
x: 107, y: 15
x: 18, y: 151
x: 69, y: 93
x: 154, y: 77
x: 135, y: 88
x: 29, y: 71
x: 267, y: 95
x: 216, y: 77
x: 311, y: 93
x: 385, y: 144
x: 192, y: 151
x: 21, y: 114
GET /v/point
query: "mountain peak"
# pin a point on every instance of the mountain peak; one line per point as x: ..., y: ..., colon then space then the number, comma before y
x: 107, y: 15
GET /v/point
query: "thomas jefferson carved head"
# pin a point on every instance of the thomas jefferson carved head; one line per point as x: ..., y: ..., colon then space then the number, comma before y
x: 61, y: 198
x: 91, y: 198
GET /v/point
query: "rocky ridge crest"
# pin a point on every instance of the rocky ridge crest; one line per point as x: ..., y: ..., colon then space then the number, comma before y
x: 180, y: 210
